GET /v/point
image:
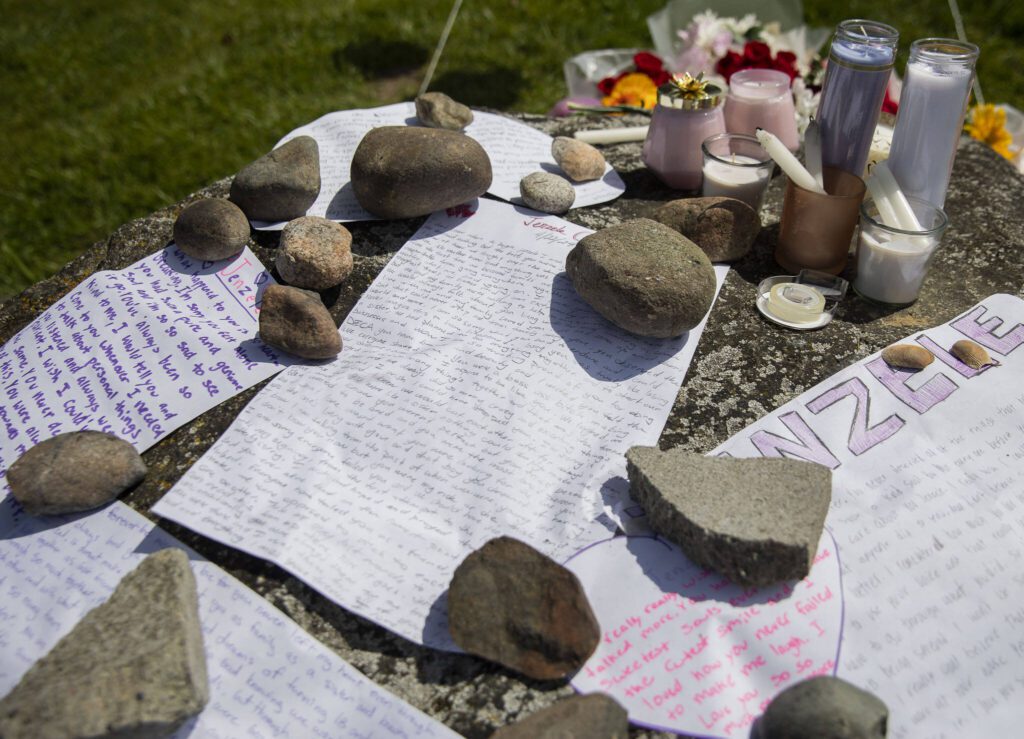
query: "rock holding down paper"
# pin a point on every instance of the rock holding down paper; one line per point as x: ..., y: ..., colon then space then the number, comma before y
x: 515, y: 150
x: 267, y: 677
x: 477, y: 396
x: 136, y: 353
x: 685, y: 650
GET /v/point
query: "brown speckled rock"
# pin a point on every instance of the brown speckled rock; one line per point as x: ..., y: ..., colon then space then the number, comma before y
x: 643, y: 277
x: 211, y: 229
x: 578, y: 159
x: 314, y: 253
x: 73, y: 472
x: 437, y: 110
x: 132, y: 667
x: 756, y: 521
x: 408, y: 171
x: 280, y: 185
x: 296, y: 321
x: 510, y: 604
x: 593, y: 716
x: 547, y: 192
x: 725, y: 228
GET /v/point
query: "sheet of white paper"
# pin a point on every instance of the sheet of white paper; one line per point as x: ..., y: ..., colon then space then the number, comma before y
x: 268, y: 678
x: 477, y: 396
x: 928, y: 518
x: 137, y: 352
x: 685, y: 650
x: 515, y: 150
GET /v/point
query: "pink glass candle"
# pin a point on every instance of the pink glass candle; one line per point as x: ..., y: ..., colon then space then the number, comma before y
x: 678, y: 128
x: 761, y: 98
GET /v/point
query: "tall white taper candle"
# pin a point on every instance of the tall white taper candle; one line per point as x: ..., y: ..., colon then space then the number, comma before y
x: 789, y: 163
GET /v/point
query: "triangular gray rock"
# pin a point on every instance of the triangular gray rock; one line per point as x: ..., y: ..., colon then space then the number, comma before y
x: 756, y: 521
x: 132, y: 667
x: 74, y: 472
x: 297, y: 321
x: 823, y: 707
x: 512, y: 605
x: 591, y: 716
x: 281, y: 185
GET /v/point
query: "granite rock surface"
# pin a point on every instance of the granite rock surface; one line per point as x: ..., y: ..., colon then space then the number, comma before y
x: 744, y: 367
x: 547, y: 193
x: 315, y: 253
x: 756, y: 521
x: 75, y: 471
x: 724, y: 228
x: 132, y: 667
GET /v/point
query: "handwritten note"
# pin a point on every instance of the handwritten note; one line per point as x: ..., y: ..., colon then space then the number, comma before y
x: 136, y: 353
x: 477, y: 396
x: 515, y: 150
x: 928, y: 515
x: 268, y: 678
x: 689, y: 652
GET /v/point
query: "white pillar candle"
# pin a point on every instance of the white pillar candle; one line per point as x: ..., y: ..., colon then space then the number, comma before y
x: 738, y: 178
x: 612, y: 135
x: 789, y: 163
x: 892, y: 271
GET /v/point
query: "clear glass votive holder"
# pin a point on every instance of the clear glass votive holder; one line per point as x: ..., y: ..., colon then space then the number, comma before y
x: 761, y: 98
x: 891, y: 262
x: 736, y: 166
x: 815, y: 231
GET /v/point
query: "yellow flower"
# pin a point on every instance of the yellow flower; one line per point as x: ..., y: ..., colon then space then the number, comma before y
x: 634, y: 89
x: 987, y: 123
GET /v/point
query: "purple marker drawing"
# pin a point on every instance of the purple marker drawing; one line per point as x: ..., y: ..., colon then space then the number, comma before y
x: 921, y: 400
x: 984, y: 332
x: 862, y: 437
x: 807, y: 446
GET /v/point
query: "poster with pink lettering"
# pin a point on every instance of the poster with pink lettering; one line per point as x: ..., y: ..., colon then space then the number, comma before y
x: 690, y: 651
x: 136, y: 352
x: 927, y: 520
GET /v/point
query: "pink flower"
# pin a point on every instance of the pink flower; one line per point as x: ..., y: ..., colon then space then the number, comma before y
x: 693, y: 60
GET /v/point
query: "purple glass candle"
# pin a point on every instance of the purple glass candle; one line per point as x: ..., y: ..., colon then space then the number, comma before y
x: 859, y: 62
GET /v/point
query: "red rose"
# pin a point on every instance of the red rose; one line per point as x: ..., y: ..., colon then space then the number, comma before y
x: 729, y: 64
x: 659, y: 78
x: 889, y: 105
x: 647, y: 63
x: 757, y: 54
x: 608, y: 83
x: 785, y: 61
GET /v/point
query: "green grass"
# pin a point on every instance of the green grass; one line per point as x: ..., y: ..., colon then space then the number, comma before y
x: 115, y: 109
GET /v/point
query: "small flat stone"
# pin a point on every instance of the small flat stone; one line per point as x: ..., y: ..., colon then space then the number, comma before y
x: 133, y: 666
x: 643, y: 277
x: 823, y: 707
x: 725, y: 228
x: 547, y: 192
x: 410, y: 171
x: 315, y: 253
x: 578, y: 159
x: 281, y: 185
x: 297, y: 321
x: 211, y: 229
x: 592, y: 716
x: 73, y: 472
x: 437, y: 110
x: 756, y: 521
x: 510, y: 604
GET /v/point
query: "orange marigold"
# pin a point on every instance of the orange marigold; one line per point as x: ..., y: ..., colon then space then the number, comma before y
x: 634, y: 89
x: 987, y: 123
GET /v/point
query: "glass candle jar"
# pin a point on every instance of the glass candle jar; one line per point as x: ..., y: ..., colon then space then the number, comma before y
x: 736, y: 166
x: 936, y: 88
x: 859, y: 63
x: 761, y: 98
x: 678, y: 128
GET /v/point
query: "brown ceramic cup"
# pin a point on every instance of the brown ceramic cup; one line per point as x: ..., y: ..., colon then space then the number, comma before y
x: 816, y: 230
